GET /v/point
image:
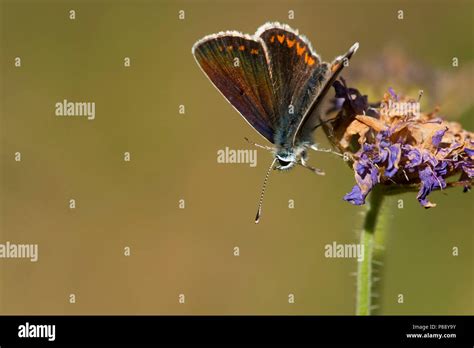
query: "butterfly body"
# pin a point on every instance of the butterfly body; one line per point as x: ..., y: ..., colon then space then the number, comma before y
x: 275, y: 80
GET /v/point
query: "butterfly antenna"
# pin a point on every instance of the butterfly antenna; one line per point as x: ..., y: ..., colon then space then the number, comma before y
x: 262, y: 194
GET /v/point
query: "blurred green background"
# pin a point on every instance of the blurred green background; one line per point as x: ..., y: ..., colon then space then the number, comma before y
x: 173, y: 157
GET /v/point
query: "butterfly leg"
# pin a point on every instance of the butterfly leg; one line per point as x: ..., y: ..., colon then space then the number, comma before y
x: 316, y: 148
x: 317, y: 171
x: 258, y: 145
x: 346, y: 156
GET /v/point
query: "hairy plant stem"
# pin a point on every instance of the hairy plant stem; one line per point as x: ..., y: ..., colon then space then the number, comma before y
x: 372, y: 238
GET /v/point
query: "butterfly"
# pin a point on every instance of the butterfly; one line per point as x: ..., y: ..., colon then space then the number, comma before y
x: 277, y: 82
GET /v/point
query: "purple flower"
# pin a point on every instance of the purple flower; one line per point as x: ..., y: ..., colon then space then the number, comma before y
x: 411, y: 152
x: 355, y: 196
x: 469, y: 152
x: 429, y: 182
x: 393, y: 159
x: 413, y: 155
x: 429, y: 158
x: 438, y: 136
x: 393, y: 94
x: 367, y: 176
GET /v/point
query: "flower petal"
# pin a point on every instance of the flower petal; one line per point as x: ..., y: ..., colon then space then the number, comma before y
x: 429, y: 182
x: 393, y: 160
x: 436, y: 139
x: 355, y: 196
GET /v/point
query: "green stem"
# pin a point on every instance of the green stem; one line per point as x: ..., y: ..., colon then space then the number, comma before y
x: 371, y: 237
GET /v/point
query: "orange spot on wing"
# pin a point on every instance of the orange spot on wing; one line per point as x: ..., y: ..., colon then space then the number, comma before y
x: 290, y: 43
x: 311, y: 61
x: 230, y: 48
x: 272, y: 39
x: 300, y: 50
x: 306, y: 57
x: 253, y: 51
x: 241, y: 48
x: 281, y: 38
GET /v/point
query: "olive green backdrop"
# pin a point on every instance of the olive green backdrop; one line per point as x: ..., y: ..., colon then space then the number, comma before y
x: 173, y: 157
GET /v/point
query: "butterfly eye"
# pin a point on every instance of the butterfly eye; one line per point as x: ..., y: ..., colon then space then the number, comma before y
x: 283, y: 163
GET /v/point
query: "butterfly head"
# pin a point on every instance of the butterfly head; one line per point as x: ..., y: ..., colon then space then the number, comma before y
x: 285, y: 160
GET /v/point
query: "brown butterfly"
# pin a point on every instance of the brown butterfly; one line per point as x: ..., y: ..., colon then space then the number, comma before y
x: 276, y: 81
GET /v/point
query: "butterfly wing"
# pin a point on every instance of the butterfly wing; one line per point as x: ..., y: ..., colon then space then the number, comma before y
x: 298, y: 76
x: 237, y: 66
x: 311, y: 120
